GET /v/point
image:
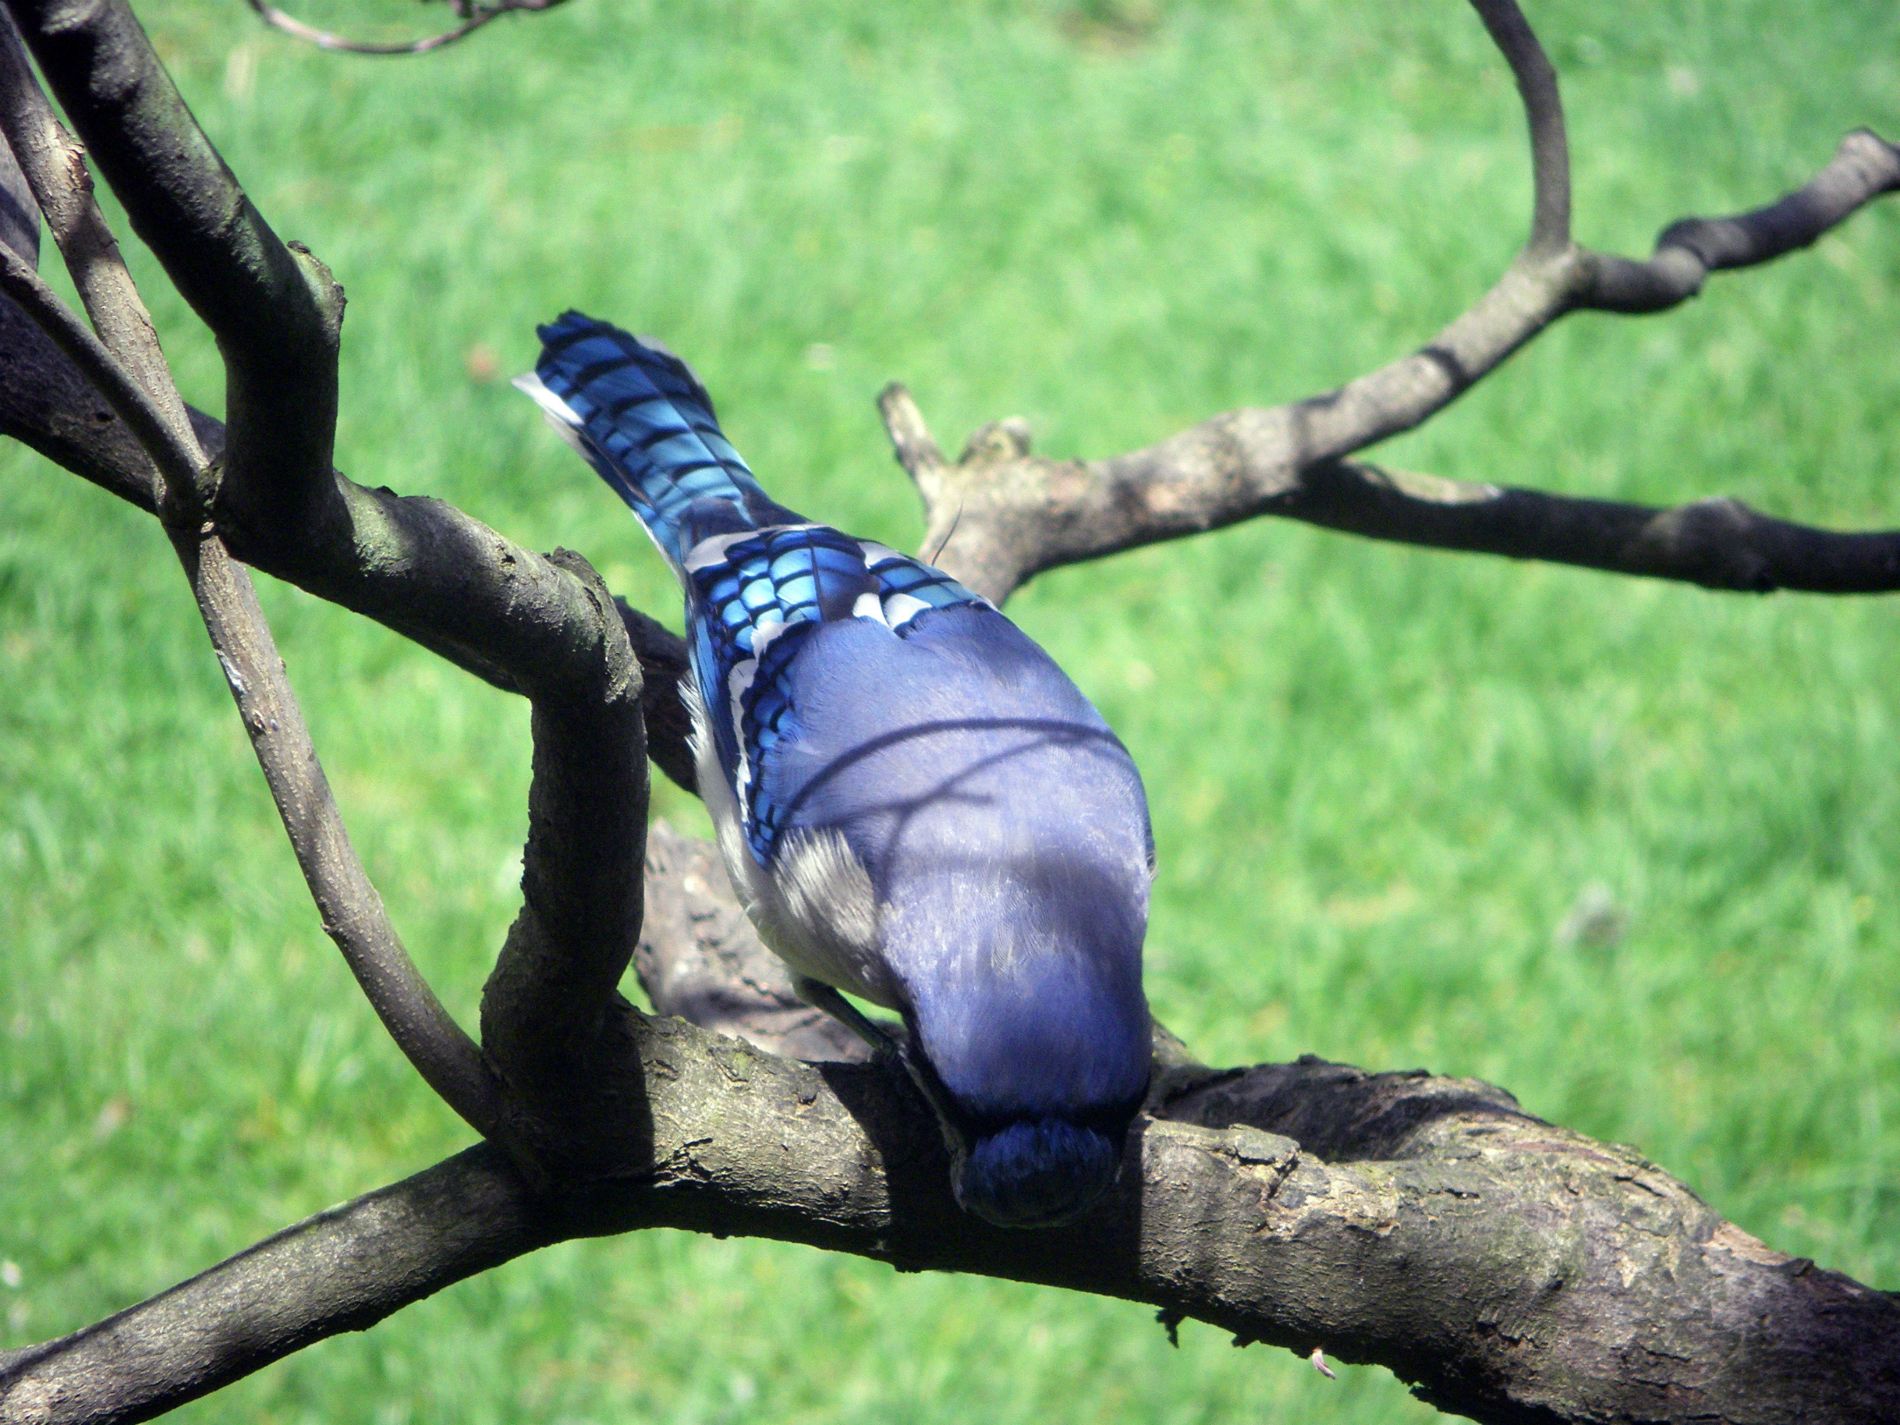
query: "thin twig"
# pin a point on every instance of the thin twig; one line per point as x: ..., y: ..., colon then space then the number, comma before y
x: 1863, y: 167
x: 476, y: 17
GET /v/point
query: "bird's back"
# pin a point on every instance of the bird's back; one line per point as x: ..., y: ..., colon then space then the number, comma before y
x: 1005, y: 827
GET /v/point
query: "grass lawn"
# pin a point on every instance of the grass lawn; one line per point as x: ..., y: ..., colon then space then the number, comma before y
x: 1382, y: 778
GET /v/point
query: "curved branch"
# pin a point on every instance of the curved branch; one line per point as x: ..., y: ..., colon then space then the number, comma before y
x: 178, y: 462
x: 1544, y: 113
x: 272, y: 307
x: 352, y: 912
x: 552, y: 987
x: 475, y: 16
x: 418, y: 566
x: 55, y: 169
x: 1511, y: 1270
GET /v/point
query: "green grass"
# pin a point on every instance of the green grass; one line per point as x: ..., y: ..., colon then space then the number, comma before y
x: 1381, y: 777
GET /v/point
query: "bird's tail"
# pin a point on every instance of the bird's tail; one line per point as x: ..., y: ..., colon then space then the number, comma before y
x: 646, y: 425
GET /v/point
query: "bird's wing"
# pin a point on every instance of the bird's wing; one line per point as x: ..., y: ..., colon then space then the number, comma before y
x: 758, y: 596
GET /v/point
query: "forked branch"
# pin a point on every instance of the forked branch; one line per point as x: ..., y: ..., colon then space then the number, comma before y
x: 276, y: 314
x: 1017, y: 514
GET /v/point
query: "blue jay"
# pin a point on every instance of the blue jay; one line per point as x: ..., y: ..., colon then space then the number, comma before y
x: 914, y: 803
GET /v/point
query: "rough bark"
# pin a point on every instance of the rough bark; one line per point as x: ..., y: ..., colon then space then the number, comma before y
x: 1508, y: 1268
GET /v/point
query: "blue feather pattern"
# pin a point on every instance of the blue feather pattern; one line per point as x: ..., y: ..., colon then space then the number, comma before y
x: 760, y: 592
x: 754, y: 571
x: 922, y: 810
x: 646, y: 425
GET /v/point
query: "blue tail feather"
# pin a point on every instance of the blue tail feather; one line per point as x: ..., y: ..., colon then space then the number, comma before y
x: 646, y: 425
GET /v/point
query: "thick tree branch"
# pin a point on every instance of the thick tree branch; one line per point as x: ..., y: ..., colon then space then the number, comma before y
x: 1016, y: 514
x: 418, y: 565
x: 415, y: 565
x: 551, y: 990
x: 273, y: 308
x: 1509, y: 1269
x: 19, y: 214
x: 177, y: 459
x: 353, y: 914
x: 544, y: 1004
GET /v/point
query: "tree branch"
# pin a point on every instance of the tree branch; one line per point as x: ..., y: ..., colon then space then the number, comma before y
x: 273, y: 308
x: 352, y: 913
x: 545, y: 1001
x: 474, y: 16
x: 1717, y: 543
x: 417, y: 565
x: 55, y: 169
x: 1864, y: 167
x: 427, y: 570
x: 545, y: 1004
x: 1544, y: 114
x: 1511, y: 1270
x: 177, y: 461
x: 1016, y: 514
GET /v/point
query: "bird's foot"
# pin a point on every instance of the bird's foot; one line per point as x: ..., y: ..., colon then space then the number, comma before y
x: 821, y: 996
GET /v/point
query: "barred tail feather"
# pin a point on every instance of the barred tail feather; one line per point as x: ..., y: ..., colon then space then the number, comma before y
x: 639, y: 416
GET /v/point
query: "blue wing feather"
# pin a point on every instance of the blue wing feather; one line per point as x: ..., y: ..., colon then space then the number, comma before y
x: 753, y: 601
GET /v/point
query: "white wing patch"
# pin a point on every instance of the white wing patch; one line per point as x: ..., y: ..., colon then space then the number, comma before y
x: 894, y: 611
x: 900, y: 609
x: 738, y: 684
x: 877, y: 555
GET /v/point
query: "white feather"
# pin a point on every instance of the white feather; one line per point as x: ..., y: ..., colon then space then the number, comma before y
x: 900, y: 609
x: 560, y: 415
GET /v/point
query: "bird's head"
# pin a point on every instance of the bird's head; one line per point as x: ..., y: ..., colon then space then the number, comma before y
x: 1039, y: 1172
x: 1025, y: 1007
x: 1036, y: 1093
